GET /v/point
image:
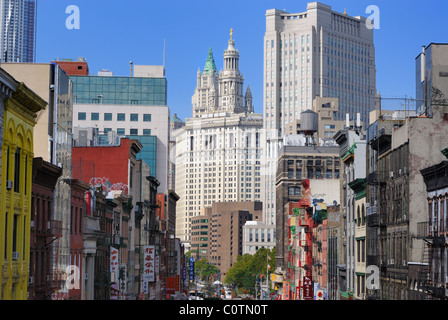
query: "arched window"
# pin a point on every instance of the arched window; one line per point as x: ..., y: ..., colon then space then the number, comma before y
x: 363, y: 213
x: 358, y: 217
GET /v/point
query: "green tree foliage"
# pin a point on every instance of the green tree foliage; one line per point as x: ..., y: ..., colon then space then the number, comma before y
x: 205, y: 269
x: 248, y: 268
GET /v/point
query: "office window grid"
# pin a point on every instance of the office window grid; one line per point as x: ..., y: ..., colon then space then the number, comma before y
x: 119, y: 90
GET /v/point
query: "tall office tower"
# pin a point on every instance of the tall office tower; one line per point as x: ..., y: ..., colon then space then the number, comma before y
x: 318, y: 52
x: 218, y: 150
x: 18, y: 20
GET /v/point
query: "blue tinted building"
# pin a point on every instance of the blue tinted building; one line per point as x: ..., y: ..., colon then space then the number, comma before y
x: 131, y: 107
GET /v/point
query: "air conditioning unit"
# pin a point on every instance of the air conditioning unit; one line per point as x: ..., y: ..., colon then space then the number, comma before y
x: 32, y: 224
x: 31, y: 280
x: 404, y: 263
x: 391, y: 174
x: 9, y: 185
x: 15, y: 256
x: 434, y: 228
x: 392, y: 261
x: 399, y: 172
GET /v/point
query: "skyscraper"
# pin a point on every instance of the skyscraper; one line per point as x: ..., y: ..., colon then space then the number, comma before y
x: 314, y: 53
x: 218, y: 151
x: 18, y: 20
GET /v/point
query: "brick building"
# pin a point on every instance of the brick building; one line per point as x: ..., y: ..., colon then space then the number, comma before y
x: 74, y: 68
x: 44, y: 229
x: 226, y: 221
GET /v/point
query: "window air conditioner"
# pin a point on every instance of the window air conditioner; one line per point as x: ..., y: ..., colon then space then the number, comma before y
x: 15, y: 256
x: 9, y: 185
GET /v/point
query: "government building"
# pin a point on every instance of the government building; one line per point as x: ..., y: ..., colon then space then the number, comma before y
x: 218, y: 151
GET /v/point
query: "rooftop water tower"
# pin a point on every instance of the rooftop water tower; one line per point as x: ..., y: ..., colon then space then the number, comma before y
x: 309, y: 125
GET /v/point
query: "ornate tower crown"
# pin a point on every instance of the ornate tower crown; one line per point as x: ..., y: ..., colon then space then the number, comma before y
x: 210, y: 66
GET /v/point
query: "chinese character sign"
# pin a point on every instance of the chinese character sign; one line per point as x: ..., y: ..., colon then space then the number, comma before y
x: 113, y: 264
x: 307, y: 288
x: 149, y: 263
x: 286, y: 288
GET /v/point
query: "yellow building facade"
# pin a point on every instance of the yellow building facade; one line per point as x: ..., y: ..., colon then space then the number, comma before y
x: 19, y: 119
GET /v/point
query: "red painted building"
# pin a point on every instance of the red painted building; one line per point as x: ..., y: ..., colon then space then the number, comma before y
x: 44, y: 230
x: 78, y: 210
x: 113, y: 167
x: 74, y: 68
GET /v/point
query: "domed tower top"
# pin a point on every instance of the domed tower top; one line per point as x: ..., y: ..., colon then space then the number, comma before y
x: 231, y: 55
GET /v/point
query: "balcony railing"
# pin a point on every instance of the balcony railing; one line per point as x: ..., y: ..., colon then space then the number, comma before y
x: 430, y: 232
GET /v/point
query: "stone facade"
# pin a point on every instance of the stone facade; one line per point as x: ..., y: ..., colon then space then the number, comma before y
x: 218, y: 151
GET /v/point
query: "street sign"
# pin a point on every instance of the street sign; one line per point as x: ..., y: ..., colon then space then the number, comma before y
x: 191, y: 269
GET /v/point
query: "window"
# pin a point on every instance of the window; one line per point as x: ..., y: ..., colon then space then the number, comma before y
x: 95, y: 116
x: 134, y: 132
x: 121, y: 131
x: 17, y: 170
x: 121, y: 117
x: 81, y: 116
x: 146, y: 132
x: 134, y: 117
x: 15, y: 233
x: 108, y: 117
x: 147, y: 118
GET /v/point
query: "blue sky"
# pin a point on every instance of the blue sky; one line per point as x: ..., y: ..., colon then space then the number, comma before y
x: 112, y: 33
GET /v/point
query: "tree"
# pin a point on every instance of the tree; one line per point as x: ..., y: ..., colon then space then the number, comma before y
x: 248, y: 268
x: 205, y: 269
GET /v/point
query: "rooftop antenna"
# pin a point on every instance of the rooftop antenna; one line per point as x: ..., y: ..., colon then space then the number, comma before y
x: 132, y: 68
x: 164, y: 54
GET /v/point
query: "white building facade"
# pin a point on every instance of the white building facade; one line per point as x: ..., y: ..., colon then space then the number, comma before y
x: 218, y: 151
x: 130, y: 120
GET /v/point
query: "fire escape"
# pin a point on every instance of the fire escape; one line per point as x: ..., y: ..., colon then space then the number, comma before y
x: 54, y: 276
x: 432, y: 277
x: 376, y: 223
